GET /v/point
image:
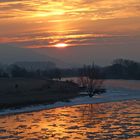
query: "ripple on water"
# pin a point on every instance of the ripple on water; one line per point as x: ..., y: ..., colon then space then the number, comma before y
x: 117, y: 120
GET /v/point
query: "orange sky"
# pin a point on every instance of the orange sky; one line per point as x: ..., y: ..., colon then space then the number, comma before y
x: 46, y: 23
x: 70, y: 19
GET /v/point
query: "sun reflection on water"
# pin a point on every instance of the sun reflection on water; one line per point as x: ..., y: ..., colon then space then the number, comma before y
x: 118, y: 120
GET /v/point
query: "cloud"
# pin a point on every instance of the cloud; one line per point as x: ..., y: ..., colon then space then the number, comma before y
x: 86, y: 23
x: 96, y: 9
x: 70, y: 37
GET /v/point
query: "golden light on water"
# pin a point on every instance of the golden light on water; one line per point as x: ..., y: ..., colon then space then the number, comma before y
x: 95, y: 121
x: 61, y: 45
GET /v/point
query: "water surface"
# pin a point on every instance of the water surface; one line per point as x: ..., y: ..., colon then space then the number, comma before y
x: 116, y: 120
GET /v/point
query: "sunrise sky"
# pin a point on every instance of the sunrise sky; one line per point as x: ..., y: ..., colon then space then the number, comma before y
x: 96, y: 25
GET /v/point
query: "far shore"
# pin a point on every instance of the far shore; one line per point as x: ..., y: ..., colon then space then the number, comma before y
x: 19, y: 92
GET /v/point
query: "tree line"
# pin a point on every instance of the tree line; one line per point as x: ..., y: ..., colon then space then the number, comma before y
x: 122, y: 69
x: 119, y: 69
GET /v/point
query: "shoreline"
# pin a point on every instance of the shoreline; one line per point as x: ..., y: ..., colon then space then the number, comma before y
x: 65, y: 98
x: 40, y: 107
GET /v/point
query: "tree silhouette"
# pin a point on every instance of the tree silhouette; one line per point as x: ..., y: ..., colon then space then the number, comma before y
x: 91, y: 80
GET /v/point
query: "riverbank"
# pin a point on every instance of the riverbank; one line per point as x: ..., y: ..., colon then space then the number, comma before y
x: 19, y: 92
x: 116, y: 91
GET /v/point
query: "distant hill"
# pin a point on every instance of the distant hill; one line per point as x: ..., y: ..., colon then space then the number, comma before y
x: 10, y: 54
x: 35, y: 65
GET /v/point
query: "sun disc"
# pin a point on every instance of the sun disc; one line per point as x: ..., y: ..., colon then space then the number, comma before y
x: 61, y: 45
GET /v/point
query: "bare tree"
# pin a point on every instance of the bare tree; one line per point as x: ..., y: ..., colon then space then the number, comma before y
x: 91, y: 80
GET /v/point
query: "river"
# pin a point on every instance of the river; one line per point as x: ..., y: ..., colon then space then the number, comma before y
x: 113, y: 115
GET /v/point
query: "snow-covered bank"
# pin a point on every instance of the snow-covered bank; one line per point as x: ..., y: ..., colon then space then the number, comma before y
x: 112, y: 95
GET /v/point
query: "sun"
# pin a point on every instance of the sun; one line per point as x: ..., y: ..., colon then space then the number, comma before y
x: 61, y: 45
